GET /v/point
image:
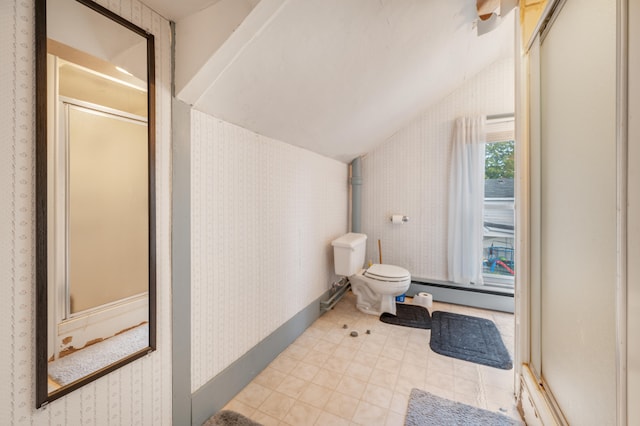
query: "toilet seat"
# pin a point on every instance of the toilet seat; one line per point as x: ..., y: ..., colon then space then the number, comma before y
x: 388, y: 273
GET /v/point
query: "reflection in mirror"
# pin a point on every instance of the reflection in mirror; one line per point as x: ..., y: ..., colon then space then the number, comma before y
x: 95, y: 217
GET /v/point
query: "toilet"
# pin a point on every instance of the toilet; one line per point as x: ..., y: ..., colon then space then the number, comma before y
x: 375, y: 287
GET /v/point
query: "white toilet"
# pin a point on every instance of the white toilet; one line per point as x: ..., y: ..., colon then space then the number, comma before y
x: 376, y: 287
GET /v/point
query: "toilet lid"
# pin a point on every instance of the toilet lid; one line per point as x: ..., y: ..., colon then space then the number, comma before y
x: 387, y: 273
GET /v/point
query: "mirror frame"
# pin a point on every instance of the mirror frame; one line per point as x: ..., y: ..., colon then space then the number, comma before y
x: 43, y: 397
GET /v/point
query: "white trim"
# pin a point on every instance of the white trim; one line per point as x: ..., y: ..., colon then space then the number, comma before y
x: 521, y: 209
x: 546, y: 19
x: 622, y: 88
x: 534, y: 402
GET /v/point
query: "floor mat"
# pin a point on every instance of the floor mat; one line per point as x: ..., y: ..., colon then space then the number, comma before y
x: 229, y: 418
x: 428, y: 409
x: 469, y: 338
x: 408, y: 316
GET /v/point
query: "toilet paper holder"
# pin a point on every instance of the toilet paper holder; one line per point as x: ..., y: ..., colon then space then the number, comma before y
x: 394, y: 218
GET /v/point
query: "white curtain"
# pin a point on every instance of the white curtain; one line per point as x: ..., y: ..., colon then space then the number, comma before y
x: 466, y: 200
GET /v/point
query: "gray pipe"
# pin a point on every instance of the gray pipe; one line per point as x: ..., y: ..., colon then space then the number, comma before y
x: 356, y: 194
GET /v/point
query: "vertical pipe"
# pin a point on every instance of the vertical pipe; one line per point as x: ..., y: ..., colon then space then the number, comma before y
x: 356, y: 194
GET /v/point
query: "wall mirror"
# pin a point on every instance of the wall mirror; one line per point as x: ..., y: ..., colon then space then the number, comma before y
x: 95, y: 203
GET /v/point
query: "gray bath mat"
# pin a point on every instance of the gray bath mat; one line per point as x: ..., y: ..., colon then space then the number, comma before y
x: 99, y: 355
x: 408, y: 316
x: 229, y: 418
x: 425, y: 409
x: 469, y: 338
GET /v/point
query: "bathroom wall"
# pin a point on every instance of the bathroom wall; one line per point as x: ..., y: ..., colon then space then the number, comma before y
x: 409, y: 175
x: 139, y: 393
x: 263, y: 215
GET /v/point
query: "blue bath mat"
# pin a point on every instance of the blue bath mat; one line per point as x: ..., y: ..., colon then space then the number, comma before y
x: 469, y: 338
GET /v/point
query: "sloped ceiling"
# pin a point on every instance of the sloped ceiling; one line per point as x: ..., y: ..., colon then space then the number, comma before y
x: 338, y: 77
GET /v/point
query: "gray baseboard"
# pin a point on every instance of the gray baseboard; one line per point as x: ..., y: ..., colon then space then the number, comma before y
x: 214, y: 395
x: 466, y: 297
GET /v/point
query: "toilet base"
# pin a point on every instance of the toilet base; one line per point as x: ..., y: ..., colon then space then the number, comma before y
x: 371, y: 303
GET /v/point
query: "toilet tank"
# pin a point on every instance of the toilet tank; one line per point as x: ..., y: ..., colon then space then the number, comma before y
x: 348, y: 253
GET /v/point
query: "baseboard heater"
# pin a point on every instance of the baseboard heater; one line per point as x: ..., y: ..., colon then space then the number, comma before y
x: 464, y: 295
x: 339, y: 289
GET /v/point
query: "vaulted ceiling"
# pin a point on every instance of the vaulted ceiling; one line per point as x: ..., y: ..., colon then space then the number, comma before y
x: 337, y: 77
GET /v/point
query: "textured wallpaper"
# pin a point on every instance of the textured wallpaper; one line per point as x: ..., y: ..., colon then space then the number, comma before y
x: 264, y: 214
x: 140, y: 393
x: 409, y: 175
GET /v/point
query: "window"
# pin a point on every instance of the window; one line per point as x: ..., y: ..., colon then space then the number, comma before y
x: 498, y: 257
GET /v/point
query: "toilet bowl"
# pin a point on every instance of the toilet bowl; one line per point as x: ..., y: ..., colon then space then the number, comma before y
x: 376, y: 288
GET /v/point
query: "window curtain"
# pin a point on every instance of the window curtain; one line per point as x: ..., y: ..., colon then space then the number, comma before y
x: 466, y: 200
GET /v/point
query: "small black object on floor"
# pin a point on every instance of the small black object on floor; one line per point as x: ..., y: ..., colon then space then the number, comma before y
x: 408, y: 316
x: 469, y: 338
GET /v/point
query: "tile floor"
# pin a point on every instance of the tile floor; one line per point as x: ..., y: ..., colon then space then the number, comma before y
x: 326, y: 377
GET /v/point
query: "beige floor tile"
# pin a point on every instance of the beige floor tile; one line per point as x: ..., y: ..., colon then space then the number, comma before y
x: 337, y: 365
x: 284, y: 363
x: 441, y: 364
x: 475, y: 400
x: 344, y: 352
x: 277, y: 405
x: 305, y: 371
x: 327, y: 419
x: 442, y: 392
x: 411, y: 370
x: 383, y: 378
x: 270, y: 378
x: 366, y: 358
x: 253, y: 395
x: 305, y: 341
x: 397, y: 341
x: 292, y: 386
x: 371, y: 347
x: 316, y: 395
x: 315, y: 333
x: 388, y: 364
x: 405, y: 384
x: 392, y: 351
x: 415, y: 358
x: 399, y: 403
x: 440, y: 380
x: 328, y: 378
x: 301, y: 414
x: 265, y: 419
x: 341, y: 405
x: 378, y: 395
x: 316, y: 358
x: 325, y: 347
x: 353, y: 343
x: 467, y: 370
x: 239, y: 407
x: 394, y: 419
x: 351, y: 386
x: 369, y: 414
x: 359, y: 371
x: 466, y: 386
x: 497, y: 378
x: 296, y: 351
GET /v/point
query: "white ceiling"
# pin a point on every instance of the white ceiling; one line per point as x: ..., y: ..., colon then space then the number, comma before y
x: 339, y: 77
x: 176, y: 10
